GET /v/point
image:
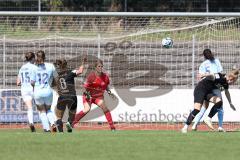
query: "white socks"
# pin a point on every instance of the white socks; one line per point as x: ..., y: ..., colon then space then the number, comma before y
x: 44, y: 119
x: 30, y: 116
x: 51, y: 117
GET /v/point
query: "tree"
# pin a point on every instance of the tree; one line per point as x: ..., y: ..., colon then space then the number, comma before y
x: 116, y: 6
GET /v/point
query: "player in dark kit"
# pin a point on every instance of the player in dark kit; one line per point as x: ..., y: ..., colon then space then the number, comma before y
x: 204, y: 91
x: 67, y: 93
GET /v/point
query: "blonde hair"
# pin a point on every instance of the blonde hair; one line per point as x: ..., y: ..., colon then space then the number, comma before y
x: 234, y: 73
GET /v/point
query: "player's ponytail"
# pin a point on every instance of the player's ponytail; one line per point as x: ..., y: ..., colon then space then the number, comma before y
x: 29, y: 56
x: 40, y: 57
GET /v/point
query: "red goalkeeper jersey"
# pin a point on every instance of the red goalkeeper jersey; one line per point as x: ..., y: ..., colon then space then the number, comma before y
x: 96, y: 85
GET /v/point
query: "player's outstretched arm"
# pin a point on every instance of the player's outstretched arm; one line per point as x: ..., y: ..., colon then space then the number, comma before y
x: 228, y: 96
x: 81, y: 67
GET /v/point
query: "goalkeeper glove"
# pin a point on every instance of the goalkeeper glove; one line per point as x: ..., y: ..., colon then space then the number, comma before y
x: 87, y: 94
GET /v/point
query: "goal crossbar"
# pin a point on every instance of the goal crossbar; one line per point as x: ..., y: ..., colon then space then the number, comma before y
x: 121, y: 14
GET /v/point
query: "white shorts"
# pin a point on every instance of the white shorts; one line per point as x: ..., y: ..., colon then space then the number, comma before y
x: 44, y: 100
x: 27, y: 95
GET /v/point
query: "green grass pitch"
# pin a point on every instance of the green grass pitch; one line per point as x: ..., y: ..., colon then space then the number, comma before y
x: 20, y: 144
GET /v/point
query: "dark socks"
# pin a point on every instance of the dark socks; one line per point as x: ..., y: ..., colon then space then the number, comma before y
x: 214, y: 109
x: 59, y: 125
x: 192, y: 116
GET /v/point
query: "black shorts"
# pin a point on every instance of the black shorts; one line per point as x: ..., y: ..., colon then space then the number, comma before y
x: 67, y: 101
x: 200, y: 95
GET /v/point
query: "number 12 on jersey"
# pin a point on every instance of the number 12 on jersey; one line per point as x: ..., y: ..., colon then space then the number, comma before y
x: 42, y: 78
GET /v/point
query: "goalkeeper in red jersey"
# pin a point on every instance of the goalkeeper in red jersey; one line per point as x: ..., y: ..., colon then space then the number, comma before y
x: 96, y: 84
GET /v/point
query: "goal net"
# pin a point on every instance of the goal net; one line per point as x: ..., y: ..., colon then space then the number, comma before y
x: 154, y: 84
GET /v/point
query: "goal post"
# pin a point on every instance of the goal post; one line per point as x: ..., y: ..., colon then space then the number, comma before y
x: 154, y: 84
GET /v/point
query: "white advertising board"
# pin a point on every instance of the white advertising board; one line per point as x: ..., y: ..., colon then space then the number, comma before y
x: 171, y: 106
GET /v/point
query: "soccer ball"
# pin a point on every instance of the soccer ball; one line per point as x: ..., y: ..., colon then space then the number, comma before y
x: 167, y: 42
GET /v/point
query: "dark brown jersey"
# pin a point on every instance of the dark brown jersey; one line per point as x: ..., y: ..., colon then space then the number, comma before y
x: 66, y: 83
